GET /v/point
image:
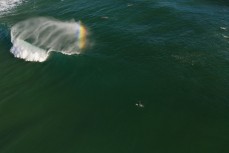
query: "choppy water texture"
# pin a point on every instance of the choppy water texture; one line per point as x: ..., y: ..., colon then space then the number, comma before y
x: 153, y: 78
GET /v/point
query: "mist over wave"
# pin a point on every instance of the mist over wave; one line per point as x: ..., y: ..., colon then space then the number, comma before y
x: 35, y: 38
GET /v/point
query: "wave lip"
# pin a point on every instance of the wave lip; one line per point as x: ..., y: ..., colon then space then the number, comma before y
x: 22, y: 49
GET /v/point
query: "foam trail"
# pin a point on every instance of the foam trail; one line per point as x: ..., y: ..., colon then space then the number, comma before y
x: 35, y: 38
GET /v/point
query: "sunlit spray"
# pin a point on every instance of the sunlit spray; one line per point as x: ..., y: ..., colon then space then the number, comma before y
x: 35, y: 38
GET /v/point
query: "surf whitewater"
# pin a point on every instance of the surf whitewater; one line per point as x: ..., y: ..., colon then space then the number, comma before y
x: 34, y: 39
x: 8, y: 5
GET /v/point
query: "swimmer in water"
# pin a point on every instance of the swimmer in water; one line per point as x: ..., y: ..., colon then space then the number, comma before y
x: 139, y: 104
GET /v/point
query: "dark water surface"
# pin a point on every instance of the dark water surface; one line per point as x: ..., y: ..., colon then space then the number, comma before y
x: 173, y: 56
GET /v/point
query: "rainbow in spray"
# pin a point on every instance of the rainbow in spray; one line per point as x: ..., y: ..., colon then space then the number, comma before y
x: 82, y: 36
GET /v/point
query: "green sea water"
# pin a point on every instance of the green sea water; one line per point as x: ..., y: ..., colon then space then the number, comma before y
x: 170, y: 56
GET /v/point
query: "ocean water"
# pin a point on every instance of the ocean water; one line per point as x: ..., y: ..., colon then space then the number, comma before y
x: 152, y: 78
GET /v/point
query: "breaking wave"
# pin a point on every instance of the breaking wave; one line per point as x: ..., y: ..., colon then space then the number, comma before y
x: 35, y: 38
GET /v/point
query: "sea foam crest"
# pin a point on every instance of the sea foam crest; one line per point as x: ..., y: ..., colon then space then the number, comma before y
x: 22, y: 49
x: 6, y: 5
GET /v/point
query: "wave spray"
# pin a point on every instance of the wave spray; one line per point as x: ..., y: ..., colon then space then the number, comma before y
x: 35, y: 38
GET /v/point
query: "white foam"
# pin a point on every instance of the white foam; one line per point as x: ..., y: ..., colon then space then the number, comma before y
x: 225, y: 36
x: 7, y: 5
x: 22, y: 49
x: 223, y: 28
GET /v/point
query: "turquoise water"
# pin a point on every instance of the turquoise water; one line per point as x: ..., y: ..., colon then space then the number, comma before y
x: 170, y: 56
